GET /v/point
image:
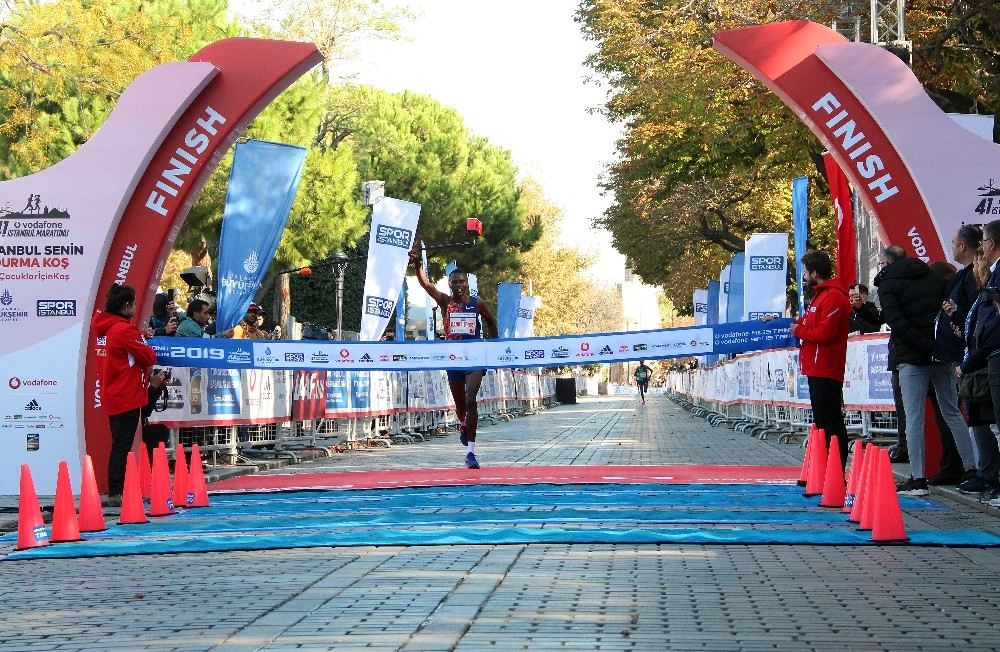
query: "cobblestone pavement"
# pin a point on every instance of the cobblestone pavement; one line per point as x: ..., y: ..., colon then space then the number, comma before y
x: 526, y: 597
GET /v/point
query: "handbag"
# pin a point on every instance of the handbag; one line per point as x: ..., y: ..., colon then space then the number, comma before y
x: 975, y: 387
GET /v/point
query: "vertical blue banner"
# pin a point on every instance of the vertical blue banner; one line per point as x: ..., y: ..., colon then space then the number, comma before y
x: 401, y: 314
x: 734, y: 307
x: 714, y: 289
x: 262, y: 185
x: 800, y: 228
x: 713, y: 303
x: 508, y: 303
x: 429, y: 304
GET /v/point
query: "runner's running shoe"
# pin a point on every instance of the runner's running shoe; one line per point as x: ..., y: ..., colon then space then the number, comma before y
x: 471, y: 462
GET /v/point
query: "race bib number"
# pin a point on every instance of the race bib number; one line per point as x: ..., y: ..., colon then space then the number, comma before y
x: 462, y: 323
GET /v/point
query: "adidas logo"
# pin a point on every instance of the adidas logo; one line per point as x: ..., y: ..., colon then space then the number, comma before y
x: 33, y: 406
x: 606, y: 350
x: 366, y: 358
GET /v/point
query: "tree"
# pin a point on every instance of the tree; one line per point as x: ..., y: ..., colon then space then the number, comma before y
x: 551, y: 271
x: 63, y: 65
x: 708, y: 152
x: 423, y: 152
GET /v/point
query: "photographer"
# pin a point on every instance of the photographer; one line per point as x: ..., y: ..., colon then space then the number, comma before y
x: 164, y: 320
x: 154, y: 433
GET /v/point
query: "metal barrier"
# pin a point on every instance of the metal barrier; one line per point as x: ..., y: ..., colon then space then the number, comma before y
x: 255, y: 443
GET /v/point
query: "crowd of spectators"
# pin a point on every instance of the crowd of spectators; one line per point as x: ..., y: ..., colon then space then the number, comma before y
x: 198, y: 320
x: 944, y: 349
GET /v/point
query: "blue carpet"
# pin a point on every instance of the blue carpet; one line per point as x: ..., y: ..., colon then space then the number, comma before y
x: 492, y: 514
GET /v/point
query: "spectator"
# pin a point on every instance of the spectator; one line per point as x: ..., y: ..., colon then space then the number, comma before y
x: 823, y: 354
x: 986, y: 334
x: 122, y: 369
x: 193, y: 324
x: 911, y: 297
x: 865, y: 317
x: 248, y: 328
x: 979, y: 415
x: 164, y: 319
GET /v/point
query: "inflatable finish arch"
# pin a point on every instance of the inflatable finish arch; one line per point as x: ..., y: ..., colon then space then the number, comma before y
x: 921, y: 174
x: 110, y: 213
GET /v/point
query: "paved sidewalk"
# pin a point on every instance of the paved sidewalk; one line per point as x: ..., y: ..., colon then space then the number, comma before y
x: 526, y: 597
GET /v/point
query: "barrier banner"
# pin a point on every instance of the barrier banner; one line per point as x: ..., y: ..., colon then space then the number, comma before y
x: 526, y: 316
x: 338, y: 397
x: 764, y: 276
x: 309, y: 395
x: 508, y: 305
x: 734, y: 307
x: 394, y: 222
x: 772, y: 377
x: 262, y: 185
x: 800, y: 232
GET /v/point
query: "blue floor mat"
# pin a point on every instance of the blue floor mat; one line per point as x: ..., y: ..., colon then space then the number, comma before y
x: 509, y: 514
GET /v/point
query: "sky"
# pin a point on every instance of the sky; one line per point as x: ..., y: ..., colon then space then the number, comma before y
x: 514, y: 71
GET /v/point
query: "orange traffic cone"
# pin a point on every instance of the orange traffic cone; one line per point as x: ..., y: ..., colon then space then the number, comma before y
x: 31, y: 532
x: 182, y: 495
x: 887, y: 526
x: 65, y: 526
x: 133, y: 510
x: 196, y: 479
x: 145, y: 472
x: 861, y: 490
x: 810, y: 443
x: 160, y: 501
x: 833, y: 481
x: 91, y: 514
x: 871, y: 493
x: 817, y: 466
x: 857, y: 459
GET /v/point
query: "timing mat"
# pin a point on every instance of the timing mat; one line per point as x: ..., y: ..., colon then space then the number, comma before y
x: 515, y: 505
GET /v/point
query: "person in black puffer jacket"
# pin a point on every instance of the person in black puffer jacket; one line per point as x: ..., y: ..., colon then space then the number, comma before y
x: 911, y: 297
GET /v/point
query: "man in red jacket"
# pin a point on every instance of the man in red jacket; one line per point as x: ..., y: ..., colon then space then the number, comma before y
x: 823, y: 353
x: 123, y: 365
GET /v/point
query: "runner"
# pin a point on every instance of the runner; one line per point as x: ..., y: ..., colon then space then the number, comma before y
x: 642, y: 376
x: 462, y: 314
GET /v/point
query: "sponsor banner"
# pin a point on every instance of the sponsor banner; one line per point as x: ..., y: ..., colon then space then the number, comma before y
x: 723, y: 314
x: 525, y: 326
x: 55, y: 230
x: 764, y: 273
x: 734, y: 307
x: 508, y: 306
x: 800, y: 230
x: 773, y: 377
x: 224, y: 392
x: 394, y: 222
x: 700, y: 304
x: 475, y: 354
x: 207, y: 396
x: 262, y: 185
x: 309, y: 395
x: 248, y: 73
x: 843, y: 209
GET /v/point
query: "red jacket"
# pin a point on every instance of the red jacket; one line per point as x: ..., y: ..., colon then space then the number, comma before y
x: 823, y: 331
x: 120, y: 363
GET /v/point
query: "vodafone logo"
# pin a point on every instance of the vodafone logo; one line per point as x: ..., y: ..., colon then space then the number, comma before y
x: 344, y: 353
x: 16, y: 383
x: 585, y: 346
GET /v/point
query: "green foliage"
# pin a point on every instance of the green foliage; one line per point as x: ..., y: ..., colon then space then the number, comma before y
x: 423, y: 152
